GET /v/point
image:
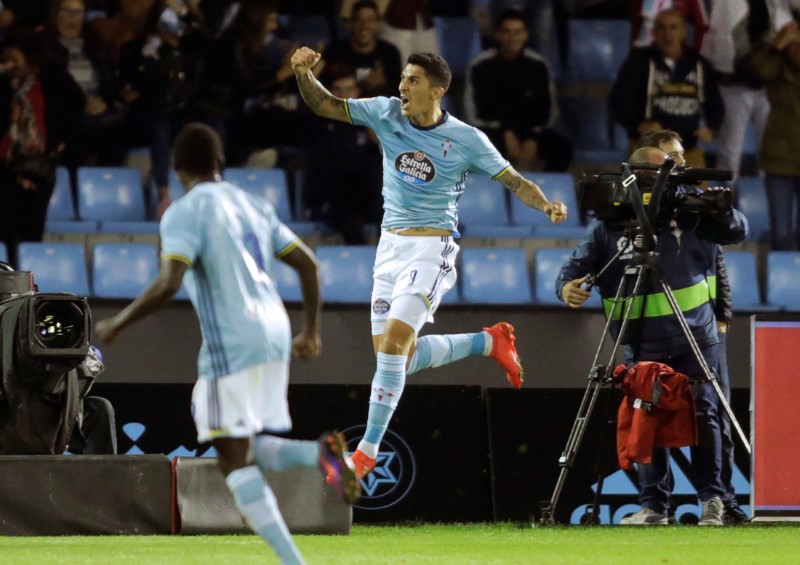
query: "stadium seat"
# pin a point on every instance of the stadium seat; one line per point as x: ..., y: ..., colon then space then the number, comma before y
x: 459, y: 41
x: 495, y: 276
x: 123, y: 270
x: 3, y: 252
x: 110, y: 194
x: 288, y: 282
x: 547, y: 264
x: 61, y: 207
x: 586, y: 121
x: 174, y: 186
x: 314, y: 31
x: 346, y: 272
x: 129, y: 227
x: 597, y: 49
x: 743, y: 278
x: 56, y: 267
x: 783, y: 272
x: 751, y: 200
x: 556, y: 186
x: 483, y: 203
x: 269, y: 183
x: 77, y: 226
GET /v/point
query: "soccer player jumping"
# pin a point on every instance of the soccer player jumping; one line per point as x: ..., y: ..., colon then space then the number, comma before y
x: 427, y: 154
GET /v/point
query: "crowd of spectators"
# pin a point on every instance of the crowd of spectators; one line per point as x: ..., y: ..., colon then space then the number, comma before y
x: 83, y: 82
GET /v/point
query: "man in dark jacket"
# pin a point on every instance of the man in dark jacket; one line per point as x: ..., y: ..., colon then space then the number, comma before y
x: 686, y: 249
x: 668, y: 86
x: 510, y: 96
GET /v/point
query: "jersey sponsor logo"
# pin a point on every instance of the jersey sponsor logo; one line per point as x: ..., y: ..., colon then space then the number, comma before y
x: 414, y: 167
x: 394, y: 474
x: 380, y: 306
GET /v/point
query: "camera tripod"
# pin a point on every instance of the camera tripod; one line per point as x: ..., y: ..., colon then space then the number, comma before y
x: 645, y: 267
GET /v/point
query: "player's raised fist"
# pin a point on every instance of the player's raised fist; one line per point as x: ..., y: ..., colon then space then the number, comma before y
x: 304, y: 59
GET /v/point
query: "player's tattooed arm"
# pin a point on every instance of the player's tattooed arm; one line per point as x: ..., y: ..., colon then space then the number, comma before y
x: 531, y: 195
x: 321, y: 102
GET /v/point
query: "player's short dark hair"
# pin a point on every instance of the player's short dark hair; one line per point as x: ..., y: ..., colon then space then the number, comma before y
x: 198, y: 150
x: 361, y: 4
x: 436, y: 69
x: 513, y: 14
x: 656, y: 138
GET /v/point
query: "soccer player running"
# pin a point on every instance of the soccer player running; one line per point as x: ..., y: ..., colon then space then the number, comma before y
x: 220, y: 240
x: 427, y: 154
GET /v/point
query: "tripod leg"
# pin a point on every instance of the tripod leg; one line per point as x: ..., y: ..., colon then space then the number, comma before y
x: 709, y: 375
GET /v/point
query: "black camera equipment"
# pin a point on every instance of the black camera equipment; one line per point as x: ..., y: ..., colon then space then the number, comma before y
x: 617, y: 200
x: 44, y: 337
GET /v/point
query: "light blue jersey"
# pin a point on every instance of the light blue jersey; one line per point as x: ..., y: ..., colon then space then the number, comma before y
x: 228, y: 238
x: 424, y: 168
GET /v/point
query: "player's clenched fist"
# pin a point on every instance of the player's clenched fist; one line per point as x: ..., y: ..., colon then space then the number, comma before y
x: 304, y: 59
x: 556, y: 211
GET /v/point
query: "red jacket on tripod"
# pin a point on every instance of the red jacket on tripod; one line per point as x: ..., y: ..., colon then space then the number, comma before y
x: 657, y: 411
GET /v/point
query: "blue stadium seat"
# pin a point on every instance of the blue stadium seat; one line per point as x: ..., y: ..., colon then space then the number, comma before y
x: 61, y: 207
x: 123, y: 270
x: 483, y: 203
x: 556, y: 186
x: 495, y: 276
x: 129, y: 227
x: 586, y: 121
x: 269, y: 183
x: 174, y: 186
x: 314, y: 31
x: 110, y: 194
x: 3, y: 252
x: 56, y: 267
x: 743, y: 278
x: 346, y: 272
x: 288, y: 282
x: 77, y: 226
x: 752, y: 202
x: 547, y: 264
x: 459, y: 42
x: 783, y: 272
x: 597, y: 49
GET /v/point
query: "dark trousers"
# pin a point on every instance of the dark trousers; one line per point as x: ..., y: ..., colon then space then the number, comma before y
x: 726, y: 429
x: 23, y: 210
x: 655, y: 480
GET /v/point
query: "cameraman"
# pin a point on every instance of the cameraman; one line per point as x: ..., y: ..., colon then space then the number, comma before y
x: 670, y: 142
x: 686, y: 247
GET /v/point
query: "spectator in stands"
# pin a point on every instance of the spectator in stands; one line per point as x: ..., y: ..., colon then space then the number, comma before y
x: 686, y: 247
x: 101, y: 138
x: 343, y: 174
x: 247, y: 92
x: 511, y: 97
x: 668, y: 86
x: 670, y: 143
x: 736, y: 27
x: 40, y: 105
x: 777, y: 64
x: 377, y: 62
x: 408, y: 24
x: 160, y: 75
x: 644, y: 12
x: 239, y: 399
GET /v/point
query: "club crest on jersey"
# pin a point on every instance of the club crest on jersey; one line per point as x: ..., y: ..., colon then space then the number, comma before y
x: 380, y: 306
x: 414, y: 167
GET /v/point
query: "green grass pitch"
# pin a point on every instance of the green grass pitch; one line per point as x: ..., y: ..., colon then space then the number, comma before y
x: 445, y: 544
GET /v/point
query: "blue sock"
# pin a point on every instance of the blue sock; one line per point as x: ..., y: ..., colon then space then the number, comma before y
x: 256, y: 501
x: 438, y: 350
x: 277, y: 454
x: 387, y: 386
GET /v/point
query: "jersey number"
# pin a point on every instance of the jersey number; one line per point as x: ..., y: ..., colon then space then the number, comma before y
x: 253, y: 247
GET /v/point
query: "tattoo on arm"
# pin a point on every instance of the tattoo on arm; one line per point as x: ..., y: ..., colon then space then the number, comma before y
x: 528, y: 192
x: 321, y: 102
